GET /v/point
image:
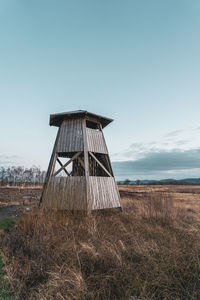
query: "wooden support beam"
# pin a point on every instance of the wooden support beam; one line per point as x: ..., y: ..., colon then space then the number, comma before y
x: 58, y: 160
x: 101, y: 165
x: 86, y: 162
x: 67, y: 163
x: 81, y: 162
x: 50, y: 168
x: 108, y: 156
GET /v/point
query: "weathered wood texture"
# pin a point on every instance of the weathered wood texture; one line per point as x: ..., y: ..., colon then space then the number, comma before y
x: 69, y: 193
x: 96, y: 141
x: 66, y: 193
x: 57, y: 119
x: 67, y: 163
x: 103, y: 193
x: 86, y: 162
x: 71, y: 136
x: 87, y: 187
x: 100, y: 164
x: 50, y: 167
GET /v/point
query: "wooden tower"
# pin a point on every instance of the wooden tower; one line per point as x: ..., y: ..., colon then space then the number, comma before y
x: 80, y: 175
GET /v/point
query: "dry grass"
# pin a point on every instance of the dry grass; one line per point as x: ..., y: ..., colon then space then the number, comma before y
x: 13, y: 195
x: 150, y: 251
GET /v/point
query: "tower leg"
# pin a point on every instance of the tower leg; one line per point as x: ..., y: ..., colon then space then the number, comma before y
x: 86, y: 165
x: 50, y: 167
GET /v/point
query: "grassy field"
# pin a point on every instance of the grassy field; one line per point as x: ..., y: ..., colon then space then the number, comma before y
x: 150, y: 251
x: 5, y: 293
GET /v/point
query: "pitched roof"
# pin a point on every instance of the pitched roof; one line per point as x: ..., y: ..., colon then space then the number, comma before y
x: 57, y: 119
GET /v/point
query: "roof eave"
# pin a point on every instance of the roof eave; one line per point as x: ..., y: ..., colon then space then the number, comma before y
x: 57, y: 119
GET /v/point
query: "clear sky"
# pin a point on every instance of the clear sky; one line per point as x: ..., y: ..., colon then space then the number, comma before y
x: 135, y: 61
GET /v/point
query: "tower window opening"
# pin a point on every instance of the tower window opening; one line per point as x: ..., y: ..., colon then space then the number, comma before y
x: 92, y: 125
x: 98, y: 166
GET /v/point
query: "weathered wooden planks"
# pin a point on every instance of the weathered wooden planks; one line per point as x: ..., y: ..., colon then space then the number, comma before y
x: 103, y: 193
x: 71, y: 136
x: 69, y: 193
x: 100, y: 164
x: 86, y: 187
x: 67, y: 163
x: 66, y: 193
x: 96, y: 141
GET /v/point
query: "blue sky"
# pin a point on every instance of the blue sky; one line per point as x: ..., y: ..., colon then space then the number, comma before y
x: 137, y: 62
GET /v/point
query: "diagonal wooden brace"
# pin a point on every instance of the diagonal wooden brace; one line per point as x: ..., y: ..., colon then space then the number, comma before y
x: 67, y: 163
x: 101, y: 165
x: 58, y: 160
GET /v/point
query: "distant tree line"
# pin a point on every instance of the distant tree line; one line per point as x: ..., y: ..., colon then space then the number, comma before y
x: 21, y: 176
x: 187, y: 181
x: 129, y: 182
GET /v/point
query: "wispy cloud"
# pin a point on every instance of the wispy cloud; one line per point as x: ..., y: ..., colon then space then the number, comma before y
x: 6, y: 160
x: 183, y: 139
x: 174, y: 133
x: 9, y: 156
x: 173, y: 153
x: 181, y: 142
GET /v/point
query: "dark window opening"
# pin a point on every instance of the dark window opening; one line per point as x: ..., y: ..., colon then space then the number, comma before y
x: 96, y: 169
x: 72, y: 164
x: 93, y: 125
x: 66, y: 154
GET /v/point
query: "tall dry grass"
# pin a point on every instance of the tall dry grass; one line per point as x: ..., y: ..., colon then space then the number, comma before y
x: 150, y: 251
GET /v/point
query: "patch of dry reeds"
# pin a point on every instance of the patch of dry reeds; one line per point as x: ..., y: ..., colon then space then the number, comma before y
x: 150, y: 251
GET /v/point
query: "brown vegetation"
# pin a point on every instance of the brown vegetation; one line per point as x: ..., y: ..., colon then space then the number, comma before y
x: 10, y: 195
x: 150, y: 251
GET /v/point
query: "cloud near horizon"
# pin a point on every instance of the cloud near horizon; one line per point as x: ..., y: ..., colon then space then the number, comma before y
x: 177, y: 157
x: 7, y: 160
x: 160, y: 162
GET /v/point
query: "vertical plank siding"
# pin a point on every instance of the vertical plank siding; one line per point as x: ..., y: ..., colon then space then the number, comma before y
x: 86, y: 160
x: 66, y: 193
x: 103, y: 193
x: 80, y: 192
x: 71, y: 136
x: 96, y: 141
